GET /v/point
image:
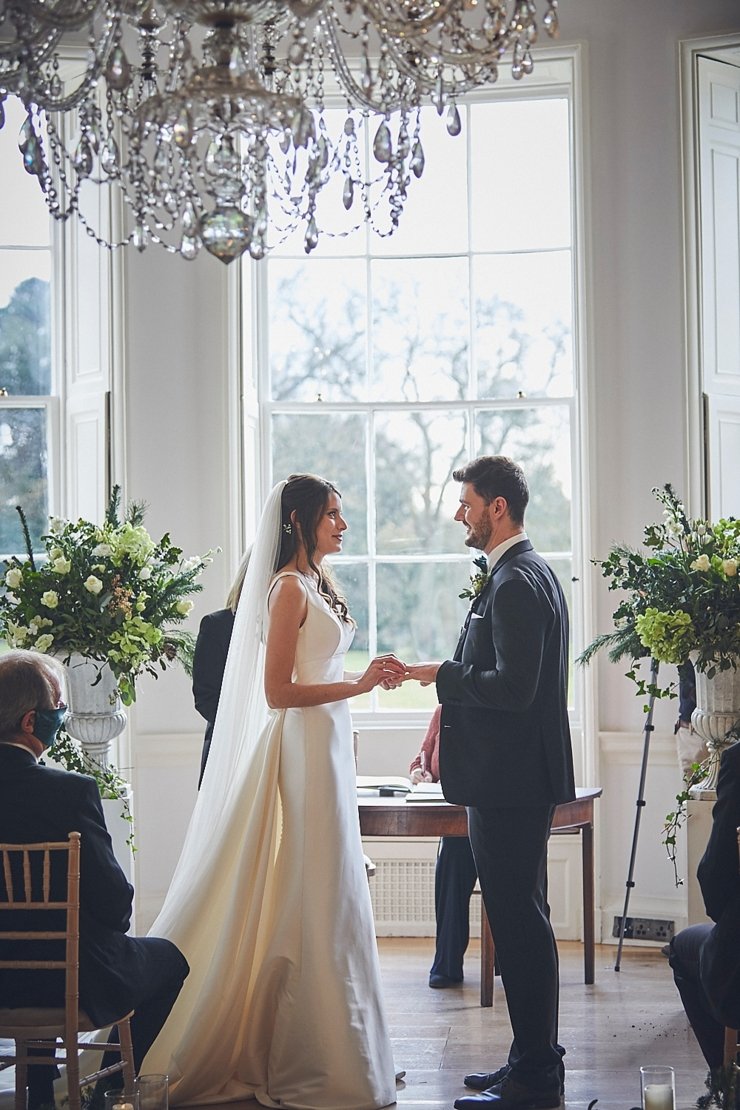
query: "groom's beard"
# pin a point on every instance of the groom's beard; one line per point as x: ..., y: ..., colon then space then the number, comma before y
x: 479, y: 535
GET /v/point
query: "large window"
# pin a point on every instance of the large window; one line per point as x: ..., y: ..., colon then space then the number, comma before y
x: 26, y: 404
x: 387, y: 362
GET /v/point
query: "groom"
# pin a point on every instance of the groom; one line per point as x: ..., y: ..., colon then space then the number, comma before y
x: 505, y: 754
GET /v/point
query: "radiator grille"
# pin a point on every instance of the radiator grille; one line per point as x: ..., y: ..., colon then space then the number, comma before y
x: 402, y: 892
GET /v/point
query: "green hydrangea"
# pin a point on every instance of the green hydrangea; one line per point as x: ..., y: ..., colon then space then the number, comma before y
x: 669, y: 637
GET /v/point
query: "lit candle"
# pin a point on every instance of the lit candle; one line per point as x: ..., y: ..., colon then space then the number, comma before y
x: 658, y: 1096
x: 123, y: 1106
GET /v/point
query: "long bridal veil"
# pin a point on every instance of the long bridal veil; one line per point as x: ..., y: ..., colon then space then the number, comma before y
x: 214, y: 909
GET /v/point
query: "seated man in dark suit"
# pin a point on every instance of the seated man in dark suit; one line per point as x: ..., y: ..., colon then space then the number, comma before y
x: 719, y: 879
x: 118, y: 973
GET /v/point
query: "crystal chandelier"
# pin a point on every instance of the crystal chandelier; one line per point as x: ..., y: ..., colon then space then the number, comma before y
x: 211, y: 119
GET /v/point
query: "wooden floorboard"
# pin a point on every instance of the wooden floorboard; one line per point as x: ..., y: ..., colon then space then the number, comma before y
x: 609, y: 1029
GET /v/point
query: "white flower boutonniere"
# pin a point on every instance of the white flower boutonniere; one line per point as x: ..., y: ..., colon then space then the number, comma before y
x: 478, y: 579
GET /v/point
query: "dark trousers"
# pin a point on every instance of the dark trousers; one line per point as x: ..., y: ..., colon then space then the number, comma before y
x: 510, y: 850
x: 454, y: 879
x: 162, y: 970
x: 684, y: 960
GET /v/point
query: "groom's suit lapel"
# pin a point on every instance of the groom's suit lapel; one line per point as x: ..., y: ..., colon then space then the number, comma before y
x: 480, y: 602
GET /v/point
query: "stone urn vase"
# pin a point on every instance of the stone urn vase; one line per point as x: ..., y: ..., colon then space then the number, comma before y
x: 95, y: 713
x: 717, y: 713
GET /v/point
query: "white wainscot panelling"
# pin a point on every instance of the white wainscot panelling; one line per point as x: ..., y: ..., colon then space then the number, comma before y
x: 402, y: 888
x: 655, y: 894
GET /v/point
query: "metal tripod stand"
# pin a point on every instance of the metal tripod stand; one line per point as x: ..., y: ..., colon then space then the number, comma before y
x: 640, y: 804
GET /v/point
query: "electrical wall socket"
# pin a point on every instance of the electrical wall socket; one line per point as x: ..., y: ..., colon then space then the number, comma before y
x: 645, y: 928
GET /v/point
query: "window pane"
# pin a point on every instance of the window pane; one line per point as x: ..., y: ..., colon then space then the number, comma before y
x: 331, y: 445
x: 317, y: 330
x: 539, y: 440
x: 416, y: 499
x: 523, y: 324
x: 351, y: 579
x: 419, y: 617
x: 420, y: 329
x: 564, y: 570
x: 520, y: 173
x: 19, y: 191
x: 25, y: 325
x: 23, y: 477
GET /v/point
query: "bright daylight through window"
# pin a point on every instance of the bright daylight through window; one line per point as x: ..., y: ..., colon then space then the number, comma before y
x: 388, y: 362
x: 25, y: 344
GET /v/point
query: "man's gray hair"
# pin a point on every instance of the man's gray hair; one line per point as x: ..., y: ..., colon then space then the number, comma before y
x: 26, y: 683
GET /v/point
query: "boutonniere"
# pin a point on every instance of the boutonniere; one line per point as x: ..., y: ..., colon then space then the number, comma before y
x: 478, y: 579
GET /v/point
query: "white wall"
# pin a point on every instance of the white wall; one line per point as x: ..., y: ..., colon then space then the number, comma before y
x: 176, y: 418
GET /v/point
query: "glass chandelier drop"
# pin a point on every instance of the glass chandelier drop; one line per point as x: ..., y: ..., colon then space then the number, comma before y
x: 211, y: 118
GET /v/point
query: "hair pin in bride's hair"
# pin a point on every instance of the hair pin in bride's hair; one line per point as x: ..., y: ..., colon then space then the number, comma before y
x: 288, y: 528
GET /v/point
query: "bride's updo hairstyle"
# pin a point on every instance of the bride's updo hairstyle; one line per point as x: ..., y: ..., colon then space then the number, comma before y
x: 303, y: 501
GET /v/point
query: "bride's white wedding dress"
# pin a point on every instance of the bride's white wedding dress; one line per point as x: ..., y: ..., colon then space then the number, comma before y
x: 284, y: 998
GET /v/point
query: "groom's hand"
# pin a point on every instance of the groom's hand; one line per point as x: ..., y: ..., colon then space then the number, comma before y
x: 425, y: 673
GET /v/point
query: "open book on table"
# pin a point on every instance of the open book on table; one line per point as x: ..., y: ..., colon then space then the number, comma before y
x: 384, y: 784
x: 425, y: 792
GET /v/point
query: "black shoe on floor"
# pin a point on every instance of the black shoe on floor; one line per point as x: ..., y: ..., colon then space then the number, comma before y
x: 509, y: 1095
x: 483, y: 1080
x: 442, y: 981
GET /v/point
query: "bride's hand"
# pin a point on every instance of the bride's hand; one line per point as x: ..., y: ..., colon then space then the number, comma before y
x: 381, y: 670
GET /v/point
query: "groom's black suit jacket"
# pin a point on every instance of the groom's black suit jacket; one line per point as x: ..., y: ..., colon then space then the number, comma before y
x: 40, y: 803
x: 505, y: 738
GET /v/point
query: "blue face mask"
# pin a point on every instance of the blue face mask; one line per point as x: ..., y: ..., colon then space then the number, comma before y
x: 48, y: 723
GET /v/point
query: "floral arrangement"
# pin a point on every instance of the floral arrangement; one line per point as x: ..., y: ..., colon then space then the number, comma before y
x: 478, y: 578
x: 106, y: 591
x: 682, y: 597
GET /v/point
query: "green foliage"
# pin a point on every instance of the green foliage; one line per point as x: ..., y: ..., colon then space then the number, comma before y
x: 478, y: 578
x: 682, y: 598
x: 673, y: 822
x: 70, y: 755
x: 108, y: 592
x: 723, y: 1089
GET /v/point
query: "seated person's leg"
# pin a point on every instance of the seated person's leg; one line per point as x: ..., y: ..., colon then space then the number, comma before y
x: 684, y: 960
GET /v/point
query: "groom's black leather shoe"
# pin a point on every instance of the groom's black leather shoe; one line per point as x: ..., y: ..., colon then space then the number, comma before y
x: 483, y: 1080
x: 509, y: 1095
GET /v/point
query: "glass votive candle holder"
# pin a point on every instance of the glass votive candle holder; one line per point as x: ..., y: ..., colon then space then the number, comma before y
x: 658, y: 1086
x: 121, y: 1100
x: 153, y: 1092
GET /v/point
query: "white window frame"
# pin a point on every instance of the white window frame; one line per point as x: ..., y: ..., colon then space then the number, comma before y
x: 558, y: 70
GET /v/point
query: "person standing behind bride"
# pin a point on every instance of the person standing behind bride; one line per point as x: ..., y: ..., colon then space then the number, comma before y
x: 270, y: 901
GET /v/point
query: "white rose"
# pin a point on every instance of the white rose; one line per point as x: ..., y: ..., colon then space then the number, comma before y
x: 50, y: 599
x: 145, y: 573
x: 61, y: 565
x: 103, y: 549
x: 17, y: 634
x: 701, y: 563
x: 13, y: 578
x: 729, y: 566
x: 93, y: 585
x: 184, y: 607
x: 44, y: 642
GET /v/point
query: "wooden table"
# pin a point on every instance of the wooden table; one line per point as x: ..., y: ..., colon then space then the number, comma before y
x: 384, y: 817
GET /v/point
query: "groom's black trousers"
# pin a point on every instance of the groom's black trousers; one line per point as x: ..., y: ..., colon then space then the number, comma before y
x: 510, y: 850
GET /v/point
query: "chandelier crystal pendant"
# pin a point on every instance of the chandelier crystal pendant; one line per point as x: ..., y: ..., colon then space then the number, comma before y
x: 211, y: 121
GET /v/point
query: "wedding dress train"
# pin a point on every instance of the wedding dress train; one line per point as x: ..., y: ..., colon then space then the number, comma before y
x: 273, y: 914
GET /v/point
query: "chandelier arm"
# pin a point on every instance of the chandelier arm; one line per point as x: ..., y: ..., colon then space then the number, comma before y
x: 354, y: 91
x: 49, y: 15
x: 400, y: 28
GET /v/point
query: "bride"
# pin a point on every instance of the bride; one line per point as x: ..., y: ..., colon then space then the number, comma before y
x: 269, y: 902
